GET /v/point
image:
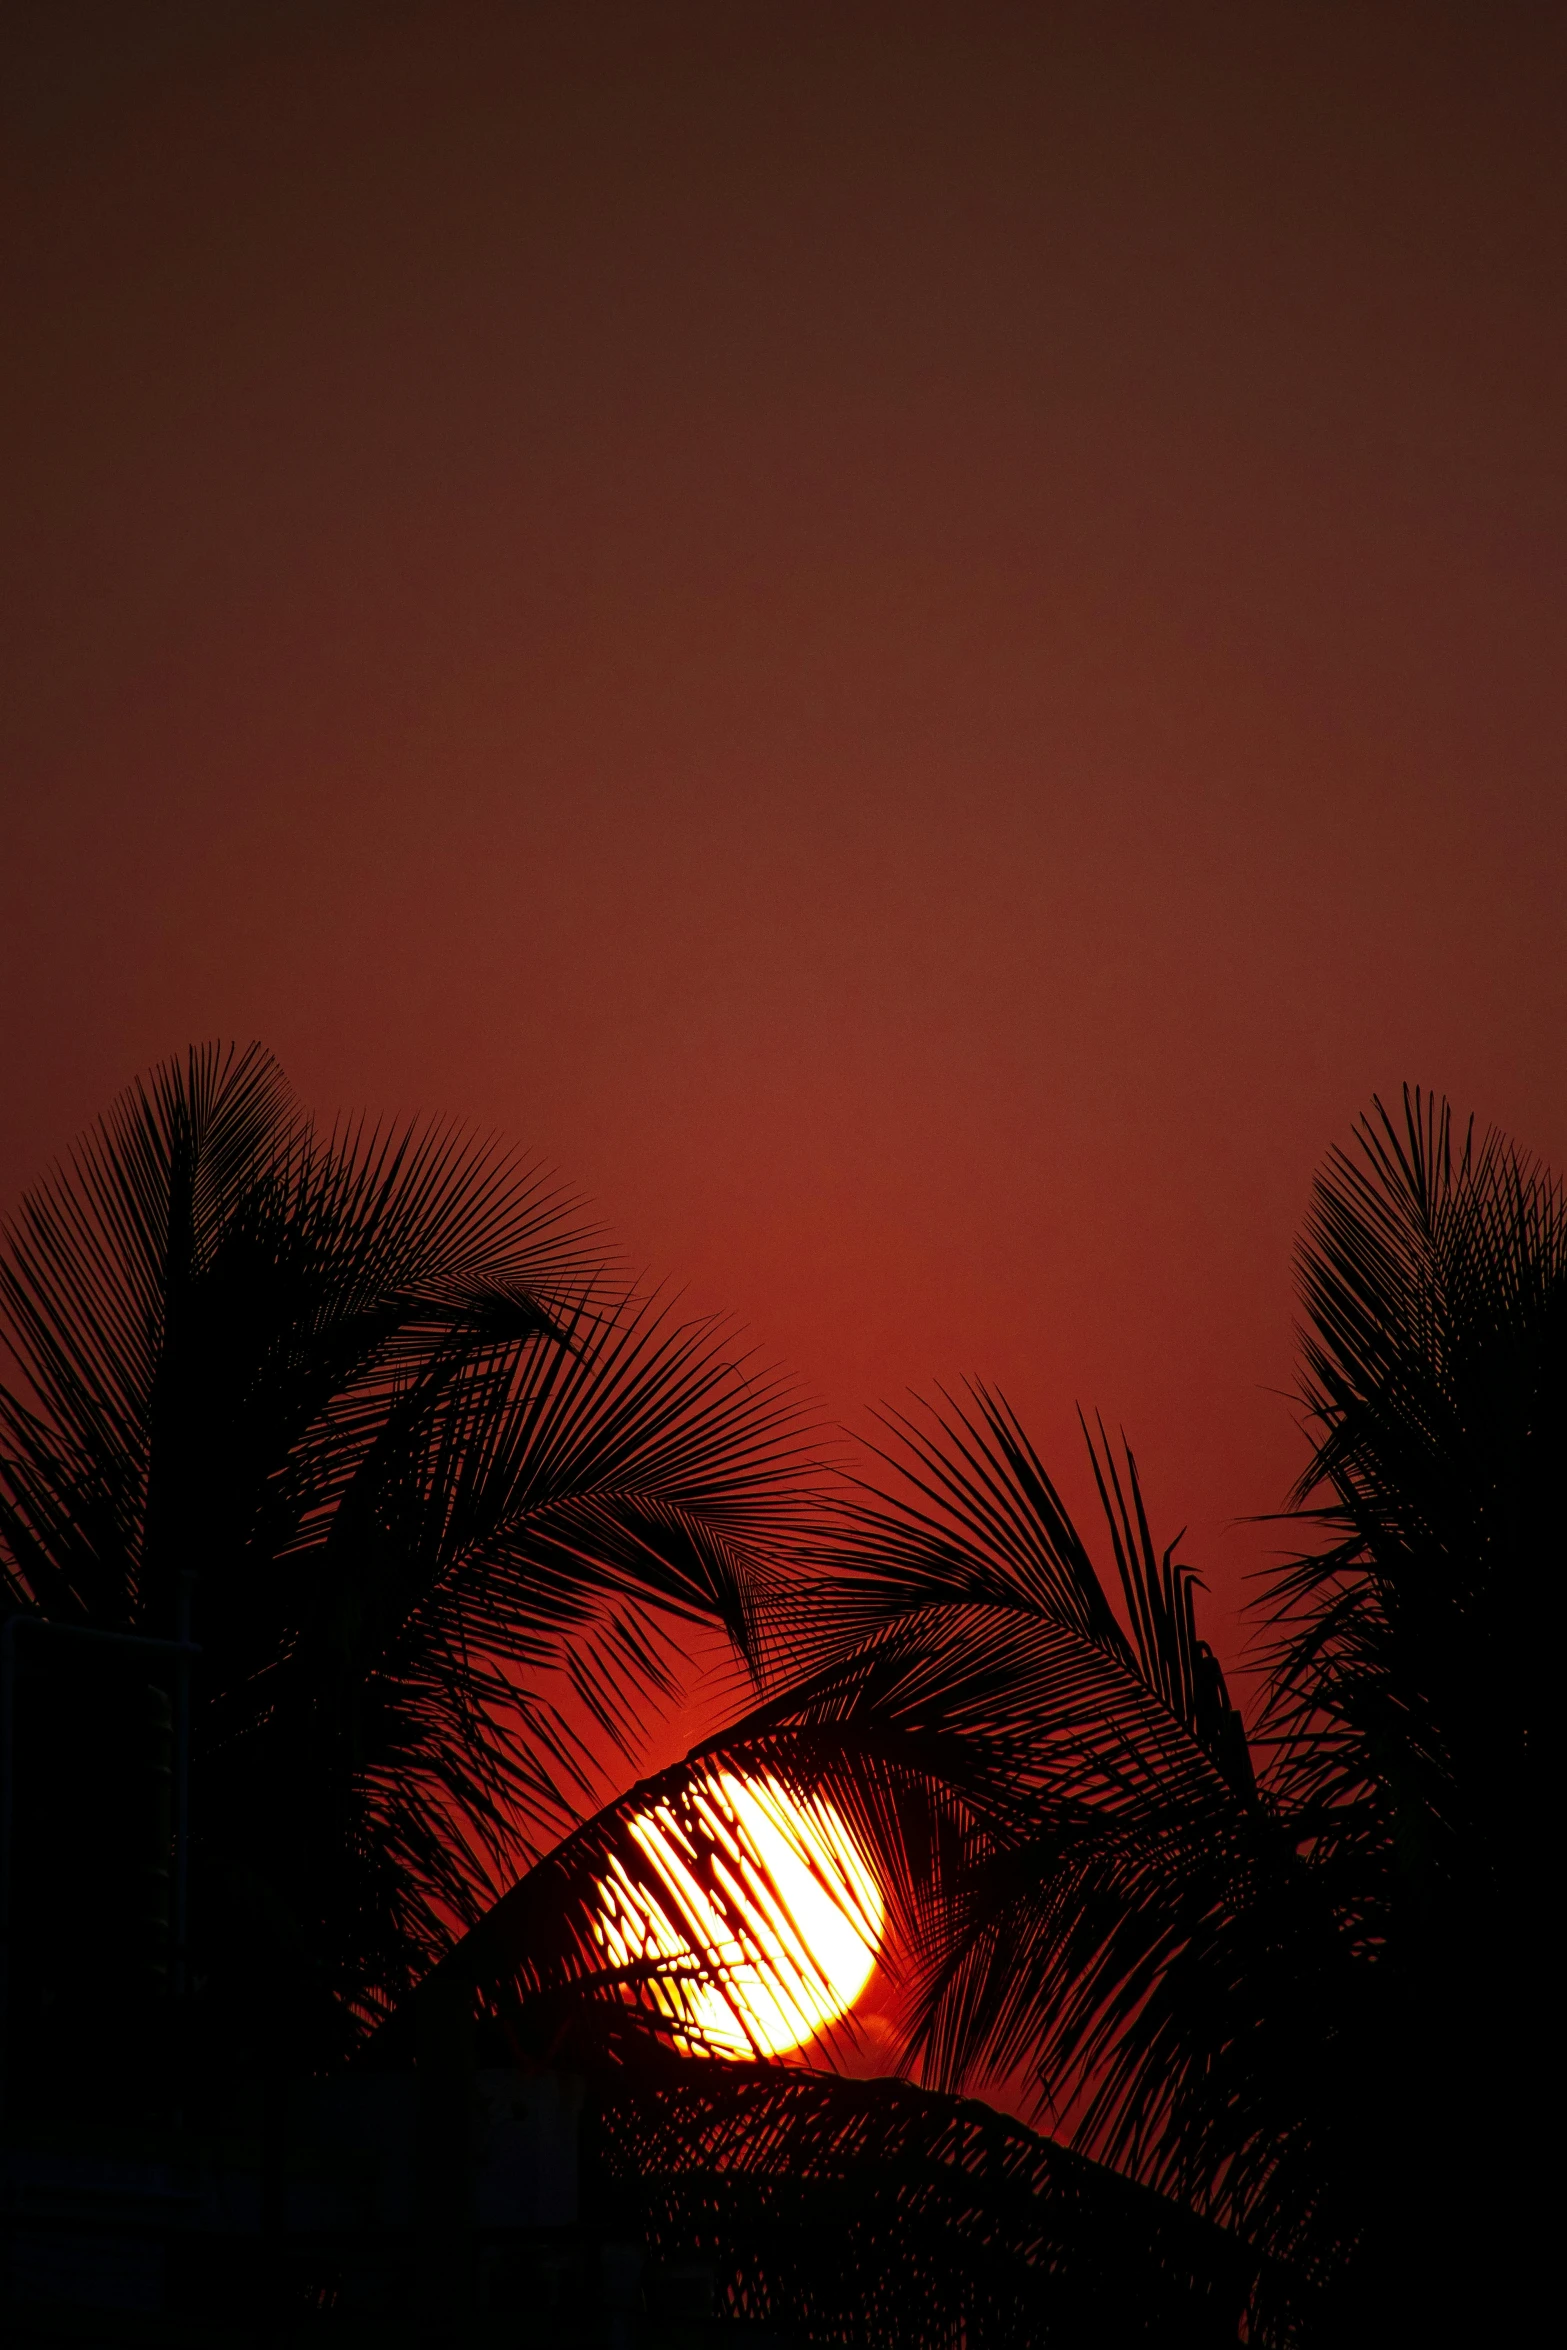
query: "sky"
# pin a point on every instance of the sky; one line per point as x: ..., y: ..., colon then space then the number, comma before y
x: 923, y: 643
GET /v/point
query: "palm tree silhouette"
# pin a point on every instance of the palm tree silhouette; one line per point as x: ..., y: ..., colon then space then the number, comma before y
x: 377, y: 1395
x: 1268, y: 1976
x: 370, y: 1403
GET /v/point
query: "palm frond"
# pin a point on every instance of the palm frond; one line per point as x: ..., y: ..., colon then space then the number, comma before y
x: 1077, y: 1876
x: 426, y: 1462
x: 1110, y: 1882
x: 663, y: 1896
x: 972, y: 1555
x: 870, y: 2213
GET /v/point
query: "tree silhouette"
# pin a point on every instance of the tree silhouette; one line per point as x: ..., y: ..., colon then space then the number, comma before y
x: 372, y: 1401
x: 1266, y: 1977
x: 426, y: 1462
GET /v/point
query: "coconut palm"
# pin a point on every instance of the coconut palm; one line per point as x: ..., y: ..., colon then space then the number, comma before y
x: 364, y: 1411
x: 372, y: 1392
x: 1264, y: 1976
x: 1279, y: 1998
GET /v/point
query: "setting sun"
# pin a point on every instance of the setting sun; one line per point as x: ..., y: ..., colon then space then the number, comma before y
x: 769, y: 1892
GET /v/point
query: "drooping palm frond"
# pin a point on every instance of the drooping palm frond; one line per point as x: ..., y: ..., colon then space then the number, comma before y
x: 973, y: 1554
x: 703, y: 1901
x: 873, y: 2214
x: 839, y: 2210
x: 425, y: 1466
x: 1082, y: 1882
x: 1114, y: 1738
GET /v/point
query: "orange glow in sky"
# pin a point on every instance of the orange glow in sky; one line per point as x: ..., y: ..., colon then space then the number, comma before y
x: 770, y: 1891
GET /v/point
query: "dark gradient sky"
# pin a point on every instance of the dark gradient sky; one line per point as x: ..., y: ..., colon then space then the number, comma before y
x: 923, y: 642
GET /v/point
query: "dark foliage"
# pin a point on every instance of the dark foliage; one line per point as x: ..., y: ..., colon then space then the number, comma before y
x: 1281, y: 2001
x: 847, y: 2211
x: 1409, y: 1714
x: 369, y: 1400
x: 1277, y: 1993
x: 873, y: 2214
x: 426, y: 1465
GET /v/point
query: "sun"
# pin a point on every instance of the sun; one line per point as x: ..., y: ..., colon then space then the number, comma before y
x: 767, y: 1891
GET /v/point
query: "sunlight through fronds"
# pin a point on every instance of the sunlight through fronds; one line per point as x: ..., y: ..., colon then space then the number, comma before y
x: 771, y: 1918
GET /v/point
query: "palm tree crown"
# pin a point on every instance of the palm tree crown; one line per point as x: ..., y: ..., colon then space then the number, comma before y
x: 432, y: 1479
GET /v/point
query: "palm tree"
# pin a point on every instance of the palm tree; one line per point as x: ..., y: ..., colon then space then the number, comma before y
x: 1267, y: 1977
x: 1280, y: 1999
x: 365, y: 1412
x: 427, y: 1465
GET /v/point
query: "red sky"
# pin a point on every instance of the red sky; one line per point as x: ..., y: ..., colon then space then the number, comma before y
x: 922, y: 641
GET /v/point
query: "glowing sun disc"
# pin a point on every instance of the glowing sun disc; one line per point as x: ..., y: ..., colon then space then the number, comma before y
x: 768, y: 1891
